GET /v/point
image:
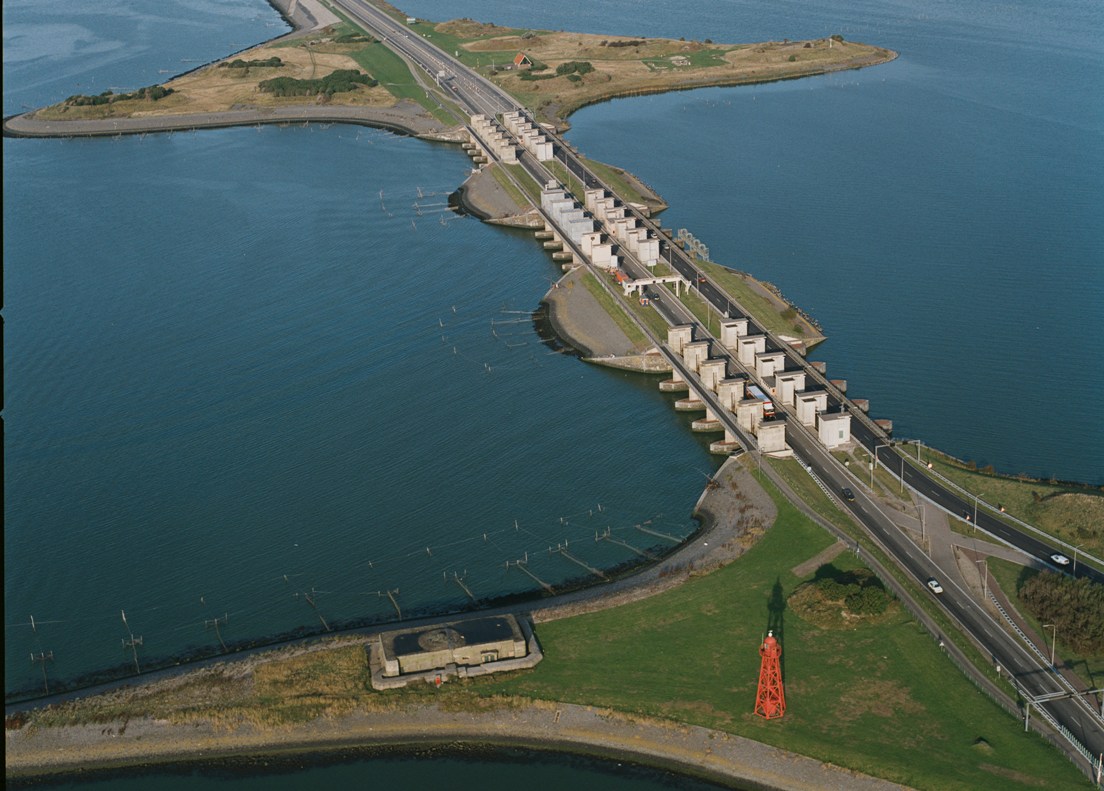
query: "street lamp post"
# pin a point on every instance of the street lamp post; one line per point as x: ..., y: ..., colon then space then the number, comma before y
x: 1074, y: 572
x: 985, y: 579
x: 1053, y: 639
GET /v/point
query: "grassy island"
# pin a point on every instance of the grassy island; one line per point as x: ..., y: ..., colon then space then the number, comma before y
x: 555, y: 72
x: 551, y: 72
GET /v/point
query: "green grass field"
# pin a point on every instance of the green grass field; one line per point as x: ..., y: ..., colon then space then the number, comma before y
x: 1070, y: 512
x: 879, y: 699
x: 532, y: 189
x: 452, y: 44
x: 394, y: 75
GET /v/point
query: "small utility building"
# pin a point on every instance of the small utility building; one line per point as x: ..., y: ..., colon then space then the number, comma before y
x: 476, y: 646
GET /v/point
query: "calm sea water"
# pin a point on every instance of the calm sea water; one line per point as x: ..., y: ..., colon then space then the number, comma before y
x: 243, y: 366
x: 472, y: 769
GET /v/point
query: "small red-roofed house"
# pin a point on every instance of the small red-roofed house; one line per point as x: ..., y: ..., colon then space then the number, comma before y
x: 521, y: 61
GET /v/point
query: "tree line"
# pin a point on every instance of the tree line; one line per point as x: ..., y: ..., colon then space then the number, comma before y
x: 339, y: 81
x: 1074, y: 606
x: 150, y: 93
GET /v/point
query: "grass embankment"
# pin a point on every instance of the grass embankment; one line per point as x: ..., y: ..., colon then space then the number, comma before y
x: 1070, y: 512
x: 569, y: 180
x: 622, y: 184
x: 516, y: 195
x: 1011, y: 576
x: 531, y: 187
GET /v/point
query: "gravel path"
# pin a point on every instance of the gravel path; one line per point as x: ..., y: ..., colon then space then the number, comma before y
x: 710, y: 754
x: 405, y: 117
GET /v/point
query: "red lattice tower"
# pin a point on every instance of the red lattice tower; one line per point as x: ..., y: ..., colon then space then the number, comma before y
x: 770, y: 700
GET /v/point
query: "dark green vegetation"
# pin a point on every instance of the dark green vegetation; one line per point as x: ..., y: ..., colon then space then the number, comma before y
x: 872, y: 698
x: 840, y: 599
x: 150, y: 93
x: 238, y: 63
x: 394, y: 75
x: 574, y: 67
x: 340, y: 81
x: 1074, y: 606
x: 1012, y: 577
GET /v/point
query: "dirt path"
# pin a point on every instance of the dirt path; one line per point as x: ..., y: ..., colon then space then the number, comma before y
x: 818, y: 560
x: 405, y: 117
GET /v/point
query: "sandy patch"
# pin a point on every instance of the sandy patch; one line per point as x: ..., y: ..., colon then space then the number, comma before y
x: 214, y: 88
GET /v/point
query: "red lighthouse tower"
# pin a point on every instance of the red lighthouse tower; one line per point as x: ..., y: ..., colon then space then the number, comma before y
x: 770, y: 700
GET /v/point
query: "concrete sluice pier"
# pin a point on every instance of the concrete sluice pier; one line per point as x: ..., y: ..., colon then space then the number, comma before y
x: 689, y: 405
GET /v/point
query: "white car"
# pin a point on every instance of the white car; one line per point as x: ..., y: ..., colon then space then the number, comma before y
x: 1060, y: 560
x: 933, y: 583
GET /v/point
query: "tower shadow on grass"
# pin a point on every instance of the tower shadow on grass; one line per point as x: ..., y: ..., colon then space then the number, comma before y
x: 776, y: 608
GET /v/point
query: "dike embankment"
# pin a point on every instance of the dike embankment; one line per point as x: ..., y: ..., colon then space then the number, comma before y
x: 733, y: 510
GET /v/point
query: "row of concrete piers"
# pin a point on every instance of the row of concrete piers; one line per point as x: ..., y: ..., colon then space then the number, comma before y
x: 754, y: 393
x: 487, y: 133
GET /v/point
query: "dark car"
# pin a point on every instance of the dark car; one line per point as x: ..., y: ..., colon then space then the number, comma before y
x: 848, y: 495
x: 654, y: 297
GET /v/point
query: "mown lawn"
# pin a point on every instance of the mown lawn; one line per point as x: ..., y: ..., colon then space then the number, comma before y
x: 880, y: 699
x: 394, y: 75
x: 1071, y: 512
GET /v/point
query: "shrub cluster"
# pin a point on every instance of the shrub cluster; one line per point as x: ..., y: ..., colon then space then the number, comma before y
x: 1072, y: 605
x: 150, y: 93
x: 860, y: 591
x: 632, y: 42
x: 579, y: 67
x: 340, y: 81
x: 238, y: 63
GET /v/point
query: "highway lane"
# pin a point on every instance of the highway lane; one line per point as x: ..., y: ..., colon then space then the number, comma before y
x: 476, y: 94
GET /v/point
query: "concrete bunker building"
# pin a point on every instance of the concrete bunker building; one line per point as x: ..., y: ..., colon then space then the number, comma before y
x: 435, y: 653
